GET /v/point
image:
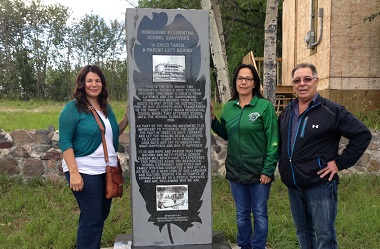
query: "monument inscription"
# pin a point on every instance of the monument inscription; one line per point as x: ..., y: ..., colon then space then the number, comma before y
x: 169, y: 89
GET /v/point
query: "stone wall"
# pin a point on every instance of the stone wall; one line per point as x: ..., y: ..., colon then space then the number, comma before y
x: 35, y: 154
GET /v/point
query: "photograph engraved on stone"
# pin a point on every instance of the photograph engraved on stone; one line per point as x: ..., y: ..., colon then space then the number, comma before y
x: 169, y: 68
x: 172, y: 197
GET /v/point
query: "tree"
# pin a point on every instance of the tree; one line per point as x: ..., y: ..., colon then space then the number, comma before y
x: 38, y: 50
x: 218, y: 50
x: 116, y: 74
x: 95, y: 42
x: 243, y: 29
x: 45, y: 31
x: 26, y: 72
x: 116, y: 47
x: 59, y: 89
x: 270, y: 57
x: 12, y: 37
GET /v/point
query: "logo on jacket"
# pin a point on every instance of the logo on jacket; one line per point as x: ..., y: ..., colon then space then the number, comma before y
x: 314, y: 126
x: 253, y: 116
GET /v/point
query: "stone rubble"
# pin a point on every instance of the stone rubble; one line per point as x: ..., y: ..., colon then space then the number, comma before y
x: 35, y: 154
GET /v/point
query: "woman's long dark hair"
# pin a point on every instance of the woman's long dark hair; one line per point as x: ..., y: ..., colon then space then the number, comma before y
x: 80, y: 94
x: 256, y: 90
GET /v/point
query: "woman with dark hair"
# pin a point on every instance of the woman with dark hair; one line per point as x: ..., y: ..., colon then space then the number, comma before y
x: 249, y: 123
x: 83, y: 161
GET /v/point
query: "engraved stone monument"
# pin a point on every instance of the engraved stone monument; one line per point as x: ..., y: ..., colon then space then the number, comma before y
x: 169, y: 100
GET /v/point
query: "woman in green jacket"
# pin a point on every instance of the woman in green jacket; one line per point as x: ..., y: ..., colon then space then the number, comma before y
x: 249, y: 123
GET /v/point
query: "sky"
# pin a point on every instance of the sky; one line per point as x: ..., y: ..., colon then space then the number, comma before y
x: 107, y: 9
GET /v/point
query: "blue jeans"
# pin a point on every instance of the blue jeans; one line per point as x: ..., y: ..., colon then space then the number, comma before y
x: 314, y: 212
x: 251, y: 197
x: 94, y: 209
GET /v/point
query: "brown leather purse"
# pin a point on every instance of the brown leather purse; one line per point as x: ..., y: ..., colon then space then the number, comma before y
x: 114, y: 175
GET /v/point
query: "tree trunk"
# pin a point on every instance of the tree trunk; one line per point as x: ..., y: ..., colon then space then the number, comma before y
x: 218, y: 51
x: 270, y: 57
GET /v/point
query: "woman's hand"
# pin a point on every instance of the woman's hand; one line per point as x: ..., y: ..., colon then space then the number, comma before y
x: 126, y: 111
x: 76, y: 181
x: 265, y: 179
x: 212, y: 111
x: 124, y: 121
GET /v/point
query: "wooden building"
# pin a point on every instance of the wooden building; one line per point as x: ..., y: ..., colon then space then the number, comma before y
x: 344, y: 48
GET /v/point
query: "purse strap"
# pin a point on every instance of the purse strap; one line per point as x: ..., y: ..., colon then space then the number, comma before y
x: 96, y: 116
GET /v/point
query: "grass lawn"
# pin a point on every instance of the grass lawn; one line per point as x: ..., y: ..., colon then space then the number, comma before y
x: 36, y: 214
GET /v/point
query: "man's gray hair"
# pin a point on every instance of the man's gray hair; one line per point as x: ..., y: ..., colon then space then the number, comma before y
x: 305, y: 65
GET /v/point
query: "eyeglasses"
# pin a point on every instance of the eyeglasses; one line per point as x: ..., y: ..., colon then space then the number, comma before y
x: 307, y: 80
x: 247, y: 79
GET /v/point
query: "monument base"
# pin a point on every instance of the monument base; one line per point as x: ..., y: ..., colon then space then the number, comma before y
x: 219, y: 241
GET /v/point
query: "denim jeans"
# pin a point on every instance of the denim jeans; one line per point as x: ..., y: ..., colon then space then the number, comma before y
x: 94, y: 209
x: 314, y: 212
x: 251, y: 197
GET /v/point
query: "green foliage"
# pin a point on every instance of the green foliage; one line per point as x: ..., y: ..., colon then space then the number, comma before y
x: 170, y: 4
x: 12, y: 28
x: 116, y: 75
x: 217, y: 109
x: 41, y: 52
x: 371, y: 119
x: 44, y: 33
x: 60, y: 83
x: 243, y: 26
x: 38, y: 214
x: 99, y: 42
x: 26, y: 72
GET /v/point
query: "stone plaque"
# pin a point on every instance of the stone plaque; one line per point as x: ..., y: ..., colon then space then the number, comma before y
x: 169, y: 99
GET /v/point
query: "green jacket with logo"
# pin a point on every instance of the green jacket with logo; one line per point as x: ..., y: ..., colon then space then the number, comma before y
x: 252, y: 134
